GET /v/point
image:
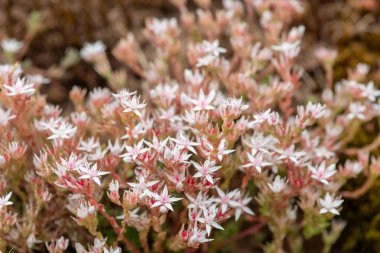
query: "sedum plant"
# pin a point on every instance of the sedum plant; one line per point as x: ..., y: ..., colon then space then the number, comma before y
x: 216, y: 133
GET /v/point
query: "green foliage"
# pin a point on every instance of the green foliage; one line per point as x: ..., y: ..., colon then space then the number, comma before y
x: 363, y: 219
x: 231, y: 229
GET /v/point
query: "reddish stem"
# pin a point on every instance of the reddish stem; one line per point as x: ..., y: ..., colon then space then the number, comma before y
x: 360, y: 191
x: 244, y: 233
x: 114, y: 225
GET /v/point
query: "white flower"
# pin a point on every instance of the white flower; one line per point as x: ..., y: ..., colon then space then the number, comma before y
x: 205, y: 60
x: 31, y: 241
x: 240, y: 205
x: 194, y: 118
x: 99, y: 96
x: 156, y: 144
x: 177, y: 178
x: 134, y: 151
x: 203, y: 103
x: 369, y: 91
x: 63, y: 130
x: 20, y: 87
x: 291, y: 154
x: 112, y: 250
x: 115, y: 148
x: 5, y: 116
x: 164, y: 200
x: 213, y: 48
x: 289, y: 49
x: 91, y: 50
x: 113, y: 186
x: 209, y: 219
x: 165, y: 93
x: 89, y: 145
x: 4, y: 201
x: 206, y: 170
x: 175, y: 155
x: 85, y: 209
x: 211, y: 51
x: 97, y: 155
x: 39, y: 79
x: 278, y: 184
x: 232, y: 108
x: 322, y: 173
x: 11, y: 45
x: 200, y: 200
x: 198, y: 236
x: 316, y: 110
x: 91, y: 172
x: 59, y: 245
x: 133, y: 105
x: 354, y: 167
x: 184, y: 142
x: 2, y: 160
x: 79, y: 118
x: 161, y: 26
x: 261, y: 143
x: 142, y: 187
x: 362, y: 68
x: 260, y: 117
x: 194, y: 78
x: 357, y: 110
x: 225, y: 198
x: 326, y: 55
x: 222, y: 150
x: 330, y: 204
x: 256, y: 160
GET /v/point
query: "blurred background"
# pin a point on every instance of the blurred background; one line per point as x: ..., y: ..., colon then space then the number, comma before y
x: 54, y: 31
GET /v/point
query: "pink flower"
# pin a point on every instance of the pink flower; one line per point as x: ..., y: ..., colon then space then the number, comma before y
x: 142, y: 186
x: 291, y: 154
x: 164, y: 200
x: 184, y: 142
x: 322, y: 173
x: 91, y: 172
x: 20, y: 87
x: 206, y: 170
x: 356, y: 110
x: 232, y: 108
x: 133, y: 105
x: 177, y: 178
x: 134, y: 151
x: 240, y: 204
x: 197, y: 236
x: 62, y: 130
x: 222, y: 150
x: 209, y: 219
x: 225, y: 199
x: 256, y: 160
x: 203, y: 102
x: 92, y: 50
x: 5, y: 116
x: 330, y: 204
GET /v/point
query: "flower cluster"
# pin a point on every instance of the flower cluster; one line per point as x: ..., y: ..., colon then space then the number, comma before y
x: 211, y: 137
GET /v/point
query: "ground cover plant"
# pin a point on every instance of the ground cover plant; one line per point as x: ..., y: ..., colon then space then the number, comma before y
x: 219, y: 138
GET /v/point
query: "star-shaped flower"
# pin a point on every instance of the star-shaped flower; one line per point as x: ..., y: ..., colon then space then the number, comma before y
x: 206, y: 170
x: 330, y: 204
x: 4, y: 201
x: 322, y: 173
x: 92, y: 172
x: 203, y: 102
x: 20, y: 87
x: 164, y: 200
x: 209, y: 219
